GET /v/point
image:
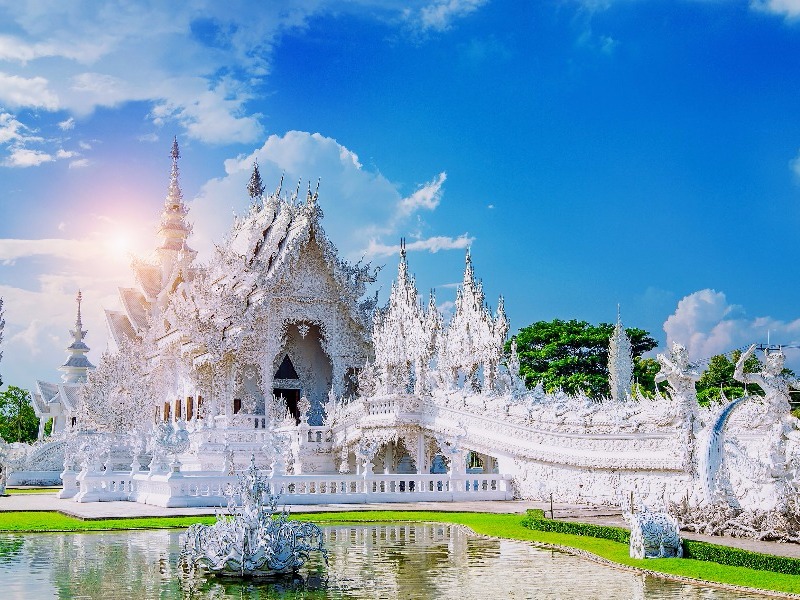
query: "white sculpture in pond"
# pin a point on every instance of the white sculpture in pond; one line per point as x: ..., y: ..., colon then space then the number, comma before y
x: 253, y: 539
x: 654, y: 535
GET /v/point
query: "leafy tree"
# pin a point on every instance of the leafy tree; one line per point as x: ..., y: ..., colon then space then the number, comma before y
x: 18, y: 421
x: 573, y: 355
x: 718, y: 378
x: 645, y: 371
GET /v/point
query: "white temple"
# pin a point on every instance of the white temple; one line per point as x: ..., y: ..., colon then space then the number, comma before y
x: 273, y: 350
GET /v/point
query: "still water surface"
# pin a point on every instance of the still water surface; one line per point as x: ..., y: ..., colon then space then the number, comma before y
x: 376, y: 561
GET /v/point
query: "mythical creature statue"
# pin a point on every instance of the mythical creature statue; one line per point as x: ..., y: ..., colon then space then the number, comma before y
x: 679, y: 374
x: 654, y: 535
x: 771, y: 379
x: 253, y: 539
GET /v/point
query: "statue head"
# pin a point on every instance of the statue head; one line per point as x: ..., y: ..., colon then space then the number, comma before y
x: 774, y: 362
x: 680, y: 355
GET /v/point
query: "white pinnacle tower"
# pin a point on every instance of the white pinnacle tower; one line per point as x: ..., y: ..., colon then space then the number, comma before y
x: 620, y: 362
x: 77, y: 365
x: 173, y: 228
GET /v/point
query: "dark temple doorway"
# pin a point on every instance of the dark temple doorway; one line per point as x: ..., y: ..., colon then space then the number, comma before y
x: 291, y: 397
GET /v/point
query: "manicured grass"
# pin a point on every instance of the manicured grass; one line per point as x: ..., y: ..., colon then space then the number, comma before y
x: 497, y: 525
x: 54, y: 521
x: 33, y: 490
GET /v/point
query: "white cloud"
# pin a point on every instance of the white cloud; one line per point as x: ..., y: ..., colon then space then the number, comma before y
x: 27, y: 92
x: 707, y: 324
x: 439, y: 15
x: 427, y: 196
x: 11, y: 130
x: 84, y: 145
x: 12, y: 250
x: 195, y: 65
x: 24, y: 157
x: 67, y: 125
x: 432, y: 244
x: 786, y: 8
x: 79, y: 163
x: 148, y: 137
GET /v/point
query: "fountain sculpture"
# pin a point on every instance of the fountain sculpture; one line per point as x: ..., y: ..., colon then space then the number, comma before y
x: 253, y: 539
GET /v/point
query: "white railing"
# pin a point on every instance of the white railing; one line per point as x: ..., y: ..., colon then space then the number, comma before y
x: 104, y: 486
x: 195, y: 488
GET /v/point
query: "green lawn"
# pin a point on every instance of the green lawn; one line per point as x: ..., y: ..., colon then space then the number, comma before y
x: 53, y: 521
x: 33, y: 490
x: 496, y: 525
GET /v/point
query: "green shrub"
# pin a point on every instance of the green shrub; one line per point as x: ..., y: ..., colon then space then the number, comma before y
x: 535, y: 519
x: 736, y: 557
x: 697, y: 550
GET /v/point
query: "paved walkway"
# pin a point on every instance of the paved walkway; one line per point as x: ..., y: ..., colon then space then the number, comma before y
x: 568, y: 512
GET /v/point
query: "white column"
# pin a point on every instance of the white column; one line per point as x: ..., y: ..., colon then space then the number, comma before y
x: 420, y: 453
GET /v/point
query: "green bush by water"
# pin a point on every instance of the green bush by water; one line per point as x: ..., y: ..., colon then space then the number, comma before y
x: 692, y: 549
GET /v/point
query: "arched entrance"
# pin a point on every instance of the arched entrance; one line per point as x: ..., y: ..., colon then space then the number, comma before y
x: 303, y: 369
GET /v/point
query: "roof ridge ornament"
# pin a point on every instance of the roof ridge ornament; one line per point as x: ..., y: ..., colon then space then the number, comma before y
x: 255, y: 188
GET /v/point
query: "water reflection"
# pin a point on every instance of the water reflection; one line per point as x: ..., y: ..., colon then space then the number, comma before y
x: 380, y: 561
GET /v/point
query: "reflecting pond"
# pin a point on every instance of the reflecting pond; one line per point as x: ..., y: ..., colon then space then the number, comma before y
x: 375, y: 561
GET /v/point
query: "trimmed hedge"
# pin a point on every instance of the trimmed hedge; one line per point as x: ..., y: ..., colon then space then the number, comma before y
x: 736, y: 557
x: 535, y: 519
x: 694, y: 549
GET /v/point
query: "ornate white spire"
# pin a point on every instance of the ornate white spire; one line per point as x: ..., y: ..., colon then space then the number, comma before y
x: 620, y: 362
x: 173, y: 229
x: 255, y: 188
x: 77, y: 365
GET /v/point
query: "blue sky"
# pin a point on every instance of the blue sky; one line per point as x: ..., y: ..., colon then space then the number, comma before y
x: 591, y: 153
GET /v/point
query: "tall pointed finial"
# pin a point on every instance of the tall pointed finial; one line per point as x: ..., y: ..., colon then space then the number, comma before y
x: 403, y: 249
x: 620, y: 362
x: 173, y: 228
x: 469, y: 271
x: 316, y: 191
x: 297, y: 191
x: 255, y: 187
x: 280, y: 186
x: 78, y: 322
x: 174, y: 194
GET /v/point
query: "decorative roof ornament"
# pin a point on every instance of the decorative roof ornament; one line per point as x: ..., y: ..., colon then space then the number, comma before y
x: 469, y: 271
x: 173, y: 229
x: 77, y: 365
x: 620, y: 362
x: 255, y: 188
